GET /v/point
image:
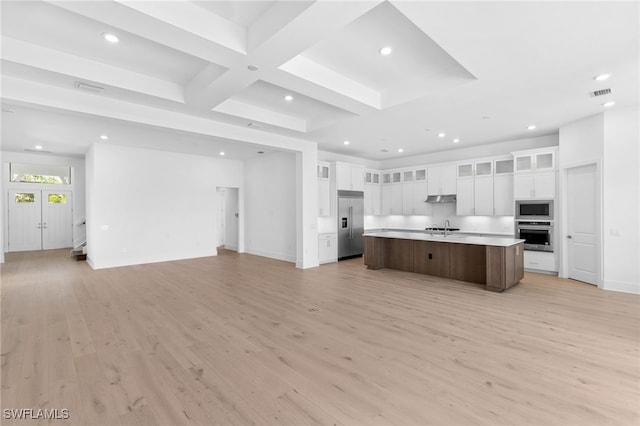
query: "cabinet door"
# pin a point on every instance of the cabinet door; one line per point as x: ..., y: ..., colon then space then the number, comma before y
x: 465, y: 204
x: 434, y: 180
x: 327, y: 248
x: 396, y: 199
x: 503, y: 202
x: 343, y: 177
x: 419, y: 195
x: 431, y: 258
x: 324, y: 198
x: 368, y: 202
x: 483, y: 196
x: 357, y: 178
x: 523, y: 186
x: 375, y: 199
x: 408, y: 190
x: 385, y: 201
x: 545, y: 161
x: 524, y: 163
x: 449, y: 179
x: 544, y: 185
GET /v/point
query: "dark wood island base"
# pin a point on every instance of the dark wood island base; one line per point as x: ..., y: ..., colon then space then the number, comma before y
x: 497, y: 267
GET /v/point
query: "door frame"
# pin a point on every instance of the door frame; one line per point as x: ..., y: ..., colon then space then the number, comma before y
x: 561, y: 241
x: 240, y: 218
x: 42, y: 206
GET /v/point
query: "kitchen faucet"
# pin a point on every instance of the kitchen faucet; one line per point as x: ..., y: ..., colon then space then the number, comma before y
x: 447, y: 225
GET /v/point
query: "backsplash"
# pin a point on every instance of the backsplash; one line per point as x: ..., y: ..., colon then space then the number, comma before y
x: 442, y: 212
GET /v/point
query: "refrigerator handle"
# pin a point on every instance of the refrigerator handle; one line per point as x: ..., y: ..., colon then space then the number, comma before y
x: 350, y: 222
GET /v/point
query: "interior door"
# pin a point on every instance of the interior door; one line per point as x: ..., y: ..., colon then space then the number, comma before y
x: 57, y: 219
x: 582, y: 207
x: 25, y: 220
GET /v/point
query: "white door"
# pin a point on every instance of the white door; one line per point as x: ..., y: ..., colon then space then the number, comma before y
x: 40, y: 220
x: 25, y: 220
x: 582, y: 208
x: 57, y: 219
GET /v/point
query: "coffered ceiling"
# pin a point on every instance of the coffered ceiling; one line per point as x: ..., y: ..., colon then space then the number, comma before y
x: 480, y: 72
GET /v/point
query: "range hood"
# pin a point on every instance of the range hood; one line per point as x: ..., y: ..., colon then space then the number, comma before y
x: 449, y: 198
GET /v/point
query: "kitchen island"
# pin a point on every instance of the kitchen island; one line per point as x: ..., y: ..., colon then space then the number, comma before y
x: 497, y: 263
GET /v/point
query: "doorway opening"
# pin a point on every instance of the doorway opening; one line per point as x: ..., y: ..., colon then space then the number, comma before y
x: 228, y: 218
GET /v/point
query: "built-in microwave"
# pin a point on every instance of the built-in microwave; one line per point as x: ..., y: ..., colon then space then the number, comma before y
x: 534, y: 210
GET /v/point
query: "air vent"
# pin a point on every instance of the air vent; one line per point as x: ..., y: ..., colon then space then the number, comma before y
x: 255, y: 125
x: 39, y: 151
x: 384, y: 150
x: 89, y: 88
x: 601, y: 92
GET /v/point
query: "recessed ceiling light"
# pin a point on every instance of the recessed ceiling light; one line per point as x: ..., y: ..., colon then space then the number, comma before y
x: 532, y: 127
x: 441, y: 135
x: 38, y: 147
x: 288, y: 98
x: 608, y: 104
x: 104, y: 137
x: 456, y: 140
x: 346, y: 142
x: 602, y: 77
x: 386, y: 50
x: 111, y: 38
x: 221, y: 152
x: 400, y: 150
x: 252, y: 68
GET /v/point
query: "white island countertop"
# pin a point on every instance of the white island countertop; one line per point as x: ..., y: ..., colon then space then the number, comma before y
x: 450, y: 238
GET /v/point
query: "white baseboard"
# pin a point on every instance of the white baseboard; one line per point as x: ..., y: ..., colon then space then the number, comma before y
x: 148, y: 259
x: 621, y: 286
x: 272, y: 255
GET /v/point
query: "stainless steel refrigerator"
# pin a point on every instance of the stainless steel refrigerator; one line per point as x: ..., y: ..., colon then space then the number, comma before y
x: 350, y: 224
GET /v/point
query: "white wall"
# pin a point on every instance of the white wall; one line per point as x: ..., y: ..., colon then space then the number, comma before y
x: 610, y: 140
x: 270, y: 205
x: 621, y: 200
x: 148, y: 206
x: 77, y: 186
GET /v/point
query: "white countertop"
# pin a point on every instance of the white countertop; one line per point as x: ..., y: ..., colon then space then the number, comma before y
x: 451, y: 238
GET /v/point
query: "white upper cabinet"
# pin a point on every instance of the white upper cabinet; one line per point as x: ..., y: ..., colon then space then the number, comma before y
x: 535, y: 174
x: 503, y: 201
x: 414, y: 192
x: 349, y: 177
x: 391, y: 197
x: 372, y: 192
x: 475, y: 189
x: 534, y: 161
x: 442, y: 180
x: 324, y: 189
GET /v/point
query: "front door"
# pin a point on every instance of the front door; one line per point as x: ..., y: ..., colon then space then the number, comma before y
x: 40, y: 220
x: 582, y: 208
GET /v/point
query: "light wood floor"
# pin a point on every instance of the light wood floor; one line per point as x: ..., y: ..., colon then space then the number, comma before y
x: 240, y: 339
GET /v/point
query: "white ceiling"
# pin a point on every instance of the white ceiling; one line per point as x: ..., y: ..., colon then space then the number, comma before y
x: 478, y: 71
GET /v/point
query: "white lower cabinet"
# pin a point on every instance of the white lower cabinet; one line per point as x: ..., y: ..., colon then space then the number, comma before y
x: 327, y: 248
x: 542, y: 261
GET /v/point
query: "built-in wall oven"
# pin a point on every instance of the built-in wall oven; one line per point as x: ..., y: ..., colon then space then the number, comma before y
x: 537, y: 235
